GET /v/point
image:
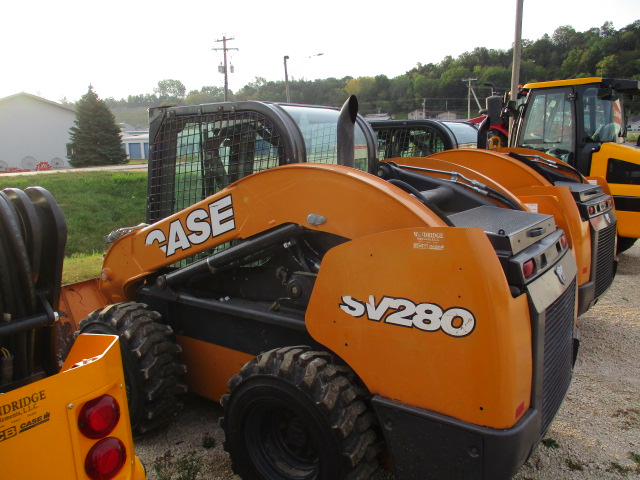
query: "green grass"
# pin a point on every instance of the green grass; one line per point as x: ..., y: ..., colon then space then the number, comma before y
x: 550, y: 443
x: 632, y: 137
x: 93, y: 203
x: 80, y: 267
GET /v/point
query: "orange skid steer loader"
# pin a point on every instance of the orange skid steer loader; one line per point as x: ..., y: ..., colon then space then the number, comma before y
x: 342, y: 320
x: 582, y: 207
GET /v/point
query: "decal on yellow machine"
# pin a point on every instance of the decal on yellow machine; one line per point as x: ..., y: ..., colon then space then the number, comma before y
x: 199, y: 226
x: 428, y: 317
x: 21, y: 415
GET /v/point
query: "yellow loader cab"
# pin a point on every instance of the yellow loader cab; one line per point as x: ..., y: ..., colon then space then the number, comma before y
x: 581, y: 121
x: 63, y: 414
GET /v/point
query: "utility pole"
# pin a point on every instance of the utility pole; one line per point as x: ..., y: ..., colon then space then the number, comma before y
x: 517, y: 54
x: 469, y: 80
x: 224, y: 48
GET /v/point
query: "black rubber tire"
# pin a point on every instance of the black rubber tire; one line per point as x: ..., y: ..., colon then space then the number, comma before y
x: 625, y: 243
x: 153, y: 373
x: 292, y: 415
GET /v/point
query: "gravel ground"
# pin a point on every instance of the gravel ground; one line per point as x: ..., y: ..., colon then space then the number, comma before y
x: 596, y: 434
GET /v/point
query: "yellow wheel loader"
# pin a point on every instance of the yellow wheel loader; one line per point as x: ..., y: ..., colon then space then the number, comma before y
x: 62, y: 416
x: 581, y: 122
x: 344, y: 321
x: 582, y: 207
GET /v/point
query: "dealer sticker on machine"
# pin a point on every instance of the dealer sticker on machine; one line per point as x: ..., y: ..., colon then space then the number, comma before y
x: 428, y: 240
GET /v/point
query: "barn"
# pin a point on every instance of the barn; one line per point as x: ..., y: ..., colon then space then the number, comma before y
x: 34, y: 132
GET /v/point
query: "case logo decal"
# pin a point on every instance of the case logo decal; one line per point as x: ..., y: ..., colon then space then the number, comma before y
x: 428, y: 317
x: 199, y: 226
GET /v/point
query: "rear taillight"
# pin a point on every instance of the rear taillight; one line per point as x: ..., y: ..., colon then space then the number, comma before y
x: 528, y: 268
x: 99, y: 417
x: 105, y: 459
x: 563, y: 241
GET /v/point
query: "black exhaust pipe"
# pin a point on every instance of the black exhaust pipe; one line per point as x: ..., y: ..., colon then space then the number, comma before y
x: 346, y: 135
x: 483, y: 130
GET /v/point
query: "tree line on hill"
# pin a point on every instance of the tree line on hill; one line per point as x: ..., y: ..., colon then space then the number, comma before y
x: 602, y: 51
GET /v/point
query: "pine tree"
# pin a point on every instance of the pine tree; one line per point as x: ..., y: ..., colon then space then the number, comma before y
x: 95, y: 139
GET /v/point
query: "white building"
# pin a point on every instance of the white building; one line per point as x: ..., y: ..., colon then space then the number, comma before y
x: 633, y: 124
x: 34, y: 130
x: 136, y: 144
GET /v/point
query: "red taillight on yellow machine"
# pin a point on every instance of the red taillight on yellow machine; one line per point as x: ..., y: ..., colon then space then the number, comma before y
x: 105, y: 459
x: 99, y: 417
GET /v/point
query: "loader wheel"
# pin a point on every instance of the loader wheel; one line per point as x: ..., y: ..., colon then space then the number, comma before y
x: 293, y: 415
x: 152, y: 372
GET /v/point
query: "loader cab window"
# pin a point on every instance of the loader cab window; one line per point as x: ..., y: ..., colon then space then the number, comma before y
x: 212, y: 151
x: 466, y: 135
x: 319, y: 127
x: 602, y: 115
x: 549, y: 123
x: 408, y: 142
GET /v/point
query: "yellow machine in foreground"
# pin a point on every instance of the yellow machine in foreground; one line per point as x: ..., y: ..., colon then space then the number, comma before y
x: 343, y: 320
x: 58, y: 419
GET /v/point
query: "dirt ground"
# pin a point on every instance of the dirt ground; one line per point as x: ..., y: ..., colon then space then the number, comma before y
x: 596, y: 434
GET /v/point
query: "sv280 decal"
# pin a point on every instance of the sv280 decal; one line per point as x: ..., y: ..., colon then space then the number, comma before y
x: 199, y: 226
x: 428, y: 317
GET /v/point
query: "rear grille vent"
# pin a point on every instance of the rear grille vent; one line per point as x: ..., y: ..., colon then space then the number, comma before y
x: 605, y: 259
x: 558, y: 354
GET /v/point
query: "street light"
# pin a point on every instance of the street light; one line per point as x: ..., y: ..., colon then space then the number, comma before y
x: 286, y: 74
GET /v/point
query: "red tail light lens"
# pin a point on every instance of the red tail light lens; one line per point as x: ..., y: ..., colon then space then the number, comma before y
x: 528, y: 268
x: 99, y: 417
x: 592, y: 210
x: 105, y: 459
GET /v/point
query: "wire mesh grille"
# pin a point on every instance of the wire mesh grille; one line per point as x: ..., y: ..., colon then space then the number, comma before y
x: 198, y: 155
x: 558, y: 354
x: 605, y: 263
x: 408, y: 142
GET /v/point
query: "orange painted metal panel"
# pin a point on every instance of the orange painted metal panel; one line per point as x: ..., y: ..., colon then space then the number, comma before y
x: 467, y: 352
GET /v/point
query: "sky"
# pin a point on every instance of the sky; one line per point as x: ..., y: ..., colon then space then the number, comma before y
x: 56, y: 49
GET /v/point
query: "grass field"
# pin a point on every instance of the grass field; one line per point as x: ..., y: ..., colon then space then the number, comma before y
x: 94, y: 204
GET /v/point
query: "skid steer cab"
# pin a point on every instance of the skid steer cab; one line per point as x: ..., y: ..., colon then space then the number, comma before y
x: 59, y: 417
x: 582, y: 207
x: 346, y: 314
x: 581, y: 122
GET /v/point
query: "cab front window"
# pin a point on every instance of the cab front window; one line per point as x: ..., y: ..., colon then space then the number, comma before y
x: 549, y: 124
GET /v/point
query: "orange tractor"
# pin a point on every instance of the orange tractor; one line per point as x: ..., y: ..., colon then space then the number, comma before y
x: 344, y: 321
